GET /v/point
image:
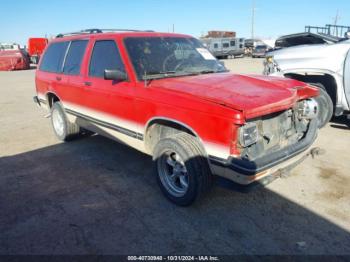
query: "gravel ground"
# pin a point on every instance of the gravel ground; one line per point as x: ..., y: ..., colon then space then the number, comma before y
x: 95, y: 196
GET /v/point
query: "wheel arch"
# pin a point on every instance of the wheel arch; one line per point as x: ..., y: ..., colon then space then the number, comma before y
x: 51, y: 98
x: 160, y: 127
x: 326, y: 78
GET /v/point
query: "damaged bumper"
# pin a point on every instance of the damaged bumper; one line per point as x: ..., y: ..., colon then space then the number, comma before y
x: 269, y: 167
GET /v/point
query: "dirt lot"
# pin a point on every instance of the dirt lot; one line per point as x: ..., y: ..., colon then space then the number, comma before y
x: 95, y: 196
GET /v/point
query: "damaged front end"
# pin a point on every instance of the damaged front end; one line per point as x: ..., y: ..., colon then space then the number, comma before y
x: 268, y: 134
x: 272, y: 145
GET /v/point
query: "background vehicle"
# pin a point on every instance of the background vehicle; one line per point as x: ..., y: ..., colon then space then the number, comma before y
x: 326, y: 66
x: 225, y: 47
x: 9, y: 47
x: 259, y: 51
x: 36, y: 47
x: 13, y: 60
x: 167, y: 96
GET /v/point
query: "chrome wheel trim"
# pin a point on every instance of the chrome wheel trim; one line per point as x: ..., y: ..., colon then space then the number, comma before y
x: 58, y: 122
x: 173, y: 173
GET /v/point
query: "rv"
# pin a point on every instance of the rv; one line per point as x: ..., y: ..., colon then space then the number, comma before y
x: 224, y: 47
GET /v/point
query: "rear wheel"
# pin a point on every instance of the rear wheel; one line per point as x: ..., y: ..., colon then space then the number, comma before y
x: 325, y: 105
x: 63, y: 129
x: 183, y: 172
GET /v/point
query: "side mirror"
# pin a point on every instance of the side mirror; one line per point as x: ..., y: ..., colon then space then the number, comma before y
x: 115, y: 75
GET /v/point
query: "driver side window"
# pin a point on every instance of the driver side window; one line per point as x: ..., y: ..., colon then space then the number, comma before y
x: 105, y: 55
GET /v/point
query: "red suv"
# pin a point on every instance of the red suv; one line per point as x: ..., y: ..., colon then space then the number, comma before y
x: 167, y: 96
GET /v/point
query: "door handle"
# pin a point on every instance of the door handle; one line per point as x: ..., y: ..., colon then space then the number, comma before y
x: 88, y: 83
x: 58, y: 78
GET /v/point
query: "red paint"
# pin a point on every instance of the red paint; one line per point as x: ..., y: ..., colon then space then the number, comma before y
x: 212, y: 105
x: 13, y: 60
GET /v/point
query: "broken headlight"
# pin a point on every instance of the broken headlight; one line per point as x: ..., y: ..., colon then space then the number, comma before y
x: 308, y: 109
x: 248, y: 134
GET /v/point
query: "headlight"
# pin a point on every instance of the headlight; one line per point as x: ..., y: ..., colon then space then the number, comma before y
x: 248, y: 134
x: 269, y: 59
x: 308, y: 109
x: 270, y: 66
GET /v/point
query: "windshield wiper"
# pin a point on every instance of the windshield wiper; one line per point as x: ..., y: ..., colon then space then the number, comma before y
x: 207, y: 72
x: 156, y: 75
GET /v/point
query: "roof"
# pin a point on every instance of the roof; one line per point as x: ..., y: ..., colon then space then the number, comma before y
x: 115, y: 32
x: 305, y: 38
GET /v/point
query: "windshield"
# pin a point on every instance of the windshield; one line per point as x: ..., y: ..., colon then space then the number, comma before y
x: 159, y: 57
x: 261, y: 47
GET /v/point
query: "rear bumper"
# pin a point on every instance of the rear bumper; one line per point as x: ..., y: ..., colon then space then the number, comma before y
x: 268, y: 167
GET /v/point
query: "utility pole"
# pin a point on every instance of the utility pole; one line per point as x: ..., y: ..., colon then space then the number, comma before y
x: 173, y: 28
x: 336, y: 18
x: 253, y: 18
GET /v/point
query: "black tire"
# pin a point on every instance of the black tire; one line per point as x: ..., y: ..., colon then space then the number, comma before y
x: 198, y: 173
x: 325, y: 105
x: 69, y: 130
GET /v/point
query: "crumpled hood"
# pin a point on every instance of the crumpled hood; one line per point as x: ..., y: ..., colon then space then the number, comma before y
x: 252, y: 94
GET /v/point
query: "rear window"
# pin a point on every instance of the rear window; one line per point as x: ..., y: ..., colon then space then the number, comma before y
x: 74, y: 57
x: 53, y: 57
x: 105, y: 55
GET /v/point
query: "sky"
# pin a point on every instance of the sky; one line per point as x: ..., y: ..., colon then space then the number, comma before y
x: 22, y: 19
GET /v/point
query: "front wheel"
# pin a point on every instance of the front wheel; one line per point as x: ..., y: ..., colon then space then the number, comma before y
x: 183, y: 172
x: 64, y: 130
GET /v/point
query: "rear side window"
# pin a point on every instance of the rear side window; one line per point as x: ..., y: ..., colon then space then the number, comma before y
x: 74, y: 57
x: 53, y: 57
x: 105, y: 55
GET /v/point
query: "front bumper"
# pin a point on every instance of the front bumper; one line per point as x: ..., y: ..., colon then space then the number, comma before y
x: 36, y: 100
x: 40, y: 101
x: 267, y: 168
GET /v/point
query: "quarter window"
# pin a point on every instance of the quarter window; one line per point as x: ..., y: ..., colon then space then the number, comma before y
x: 53, y: 57
x: 105, y: 55
x: 74, y: 57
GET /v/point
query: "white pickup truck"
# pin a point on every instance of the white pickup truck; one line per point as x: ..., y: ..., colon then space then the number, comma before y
x: 326, y: 66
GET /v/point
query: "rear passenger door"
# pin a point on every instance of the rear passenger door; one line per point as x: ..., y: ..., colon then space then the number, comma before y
x: 49, y: 76
x: 73, y: 87
x: 109, y: 103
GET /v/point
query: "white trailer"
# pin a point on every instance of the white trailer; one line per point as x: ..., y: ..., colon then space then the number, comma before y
x: 224, y: 47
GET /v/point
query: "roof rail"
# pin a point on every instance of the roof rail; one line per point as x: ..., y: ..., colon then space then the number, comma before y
x: 99, y: 31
